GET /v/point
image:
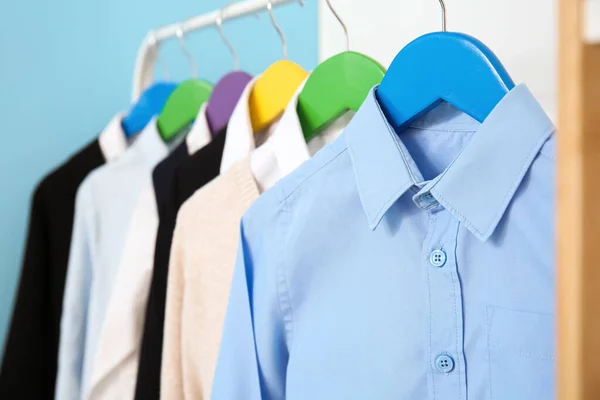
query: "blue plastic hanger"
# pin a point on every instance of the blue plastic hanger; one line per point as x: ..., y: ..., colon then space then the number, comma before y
x: 443, y: 66
x: 150, y: 103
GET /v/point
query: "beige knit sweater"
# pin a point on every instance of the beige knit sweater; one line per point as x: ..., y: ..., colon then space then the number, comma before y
x: 200, y: 272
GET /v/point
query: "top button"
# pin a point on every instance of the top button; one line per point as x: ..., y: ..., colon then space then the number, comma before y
x: 425, y: 200
x: 437, y: 258
x: 428, y: 198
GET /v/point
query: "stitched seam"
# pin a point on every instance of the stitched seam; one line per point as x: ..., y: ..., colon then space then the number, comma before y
x: 456, y: 130
x: 517, y: 182
x: 388, y: 203
x: 461, y: 217
x: 510, y: 192
x: 385, y: 205
x: 522, y: 353
x: 489, y: 318
x: 432, y: 221
x: 405, y: 156
x: 458, y: 349
x: 283, y: 292
x: 287, y: 196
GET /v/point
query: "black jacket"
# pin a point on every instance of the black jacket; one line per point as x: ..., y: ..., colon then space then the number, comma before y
x: 30, y: 358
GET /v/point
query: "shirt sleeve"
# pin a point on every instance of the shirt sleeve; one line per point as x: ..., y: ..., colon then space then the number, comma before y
x: 171, y: 373
x: 258, y: 326
x: 76, y: 300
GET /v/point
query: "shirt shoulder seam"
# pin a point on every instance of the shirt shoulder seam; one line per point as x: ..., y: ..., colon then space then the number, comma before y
x: 295, y: 188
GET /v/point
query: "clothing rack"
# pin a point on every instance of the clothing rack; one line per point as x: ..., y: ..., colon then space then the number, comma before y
x: 147, y: 54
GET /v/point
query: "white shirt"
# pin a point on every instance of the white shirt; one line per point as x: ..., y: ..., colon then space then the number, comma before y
x: 199, y: 136
x: 286, y: 149
x: 117, y: 355
x: 112, y: 139
x: 240, y: 140
x: 103, y: 207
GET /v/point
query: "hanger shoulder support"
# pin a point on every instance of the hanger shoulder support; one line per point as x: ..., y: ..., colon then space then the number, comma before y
x: 182, y: 107
x: 224, y: 97
x: 150, y: 103
x: 452, y: 67
x: 339, y: 84
x: 272, y: 92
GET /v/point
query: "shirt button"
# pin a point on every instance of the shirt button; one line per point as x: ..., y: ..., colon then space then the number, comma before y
x: 437, y: 258
x: 428, y: 198
x: 444, y: 363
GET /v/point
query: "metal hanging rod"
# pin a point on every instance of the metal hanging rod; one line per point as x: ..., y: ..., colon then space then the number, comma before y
x: 232, y: 11
x: 147, y: 53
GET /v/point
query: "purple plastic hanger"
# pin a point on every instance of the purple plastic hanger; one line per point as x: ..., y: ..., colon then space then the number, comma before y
x: 224, y: 97
x: 228, y: 90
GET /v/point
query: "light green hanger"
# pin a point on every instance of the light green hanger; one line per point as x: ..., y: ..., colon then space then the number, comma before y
x: 183, y: 105
x: 338, y: 84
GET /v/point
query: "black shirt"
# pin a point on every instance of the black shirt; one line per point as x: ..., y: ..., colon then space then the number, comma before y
x: 191, y: 175
x: 30, y: 359
x: 164, y: 171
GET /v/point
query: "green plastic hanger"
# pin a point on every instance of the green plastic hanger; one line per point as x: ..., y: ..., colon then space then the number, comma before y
x: 338, y: 84
x: 182, y: 107
x: 184, y: 103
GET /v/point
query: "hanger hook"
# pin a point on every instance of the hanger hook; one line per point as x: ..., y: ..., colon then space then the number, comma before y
x: 154, y: 45
x: 179, y: 33
x: 337, y: 16
x: 219, y: 23
x: 277, y: 28
x: 443, y: 6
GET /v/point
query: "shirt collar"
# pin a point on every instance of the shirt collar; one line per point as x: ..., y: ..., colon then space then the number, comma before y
x: 287, y: 141
x: 239, y: 141
x: 286, y: 148
x: 112, y: 139
x: 478, y: 185
x: 150, y: 144
x: 283, y: 151
x: 199, y: 135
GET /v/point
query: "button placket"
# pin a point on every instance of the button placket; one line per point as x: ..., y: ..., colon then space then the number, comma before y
x: 445, y: 307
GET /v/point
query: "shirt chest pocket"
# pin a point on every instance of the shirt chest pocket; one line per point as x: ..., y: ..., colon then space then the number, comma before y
x: 521, y: 354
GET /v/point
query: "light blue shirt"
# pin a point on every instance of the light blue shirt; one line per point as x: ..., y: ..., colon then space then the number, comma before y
x: 103, y: 208
x: 410, y: 266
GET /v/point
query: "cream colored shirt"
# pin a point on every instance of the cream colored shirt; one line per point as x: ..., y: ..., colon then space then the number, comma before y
x: 203, y: 256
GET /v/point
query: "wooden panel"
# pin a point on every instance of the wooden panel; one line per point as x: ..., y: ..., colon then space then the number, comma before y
x: 578, y: 228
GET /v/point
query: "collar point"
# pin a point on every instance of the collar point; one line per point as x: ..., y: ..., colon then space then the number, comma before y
x: 374, y: 222
x: 482, y: 235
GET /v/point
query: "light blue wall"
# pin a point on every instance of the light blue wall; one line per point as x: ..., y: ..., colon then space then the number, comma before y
x: 66, y: 67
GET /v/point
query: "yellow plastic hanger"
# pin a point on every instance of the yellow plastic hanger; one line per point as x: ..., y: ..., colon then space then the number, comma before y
x: 273, y: 91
